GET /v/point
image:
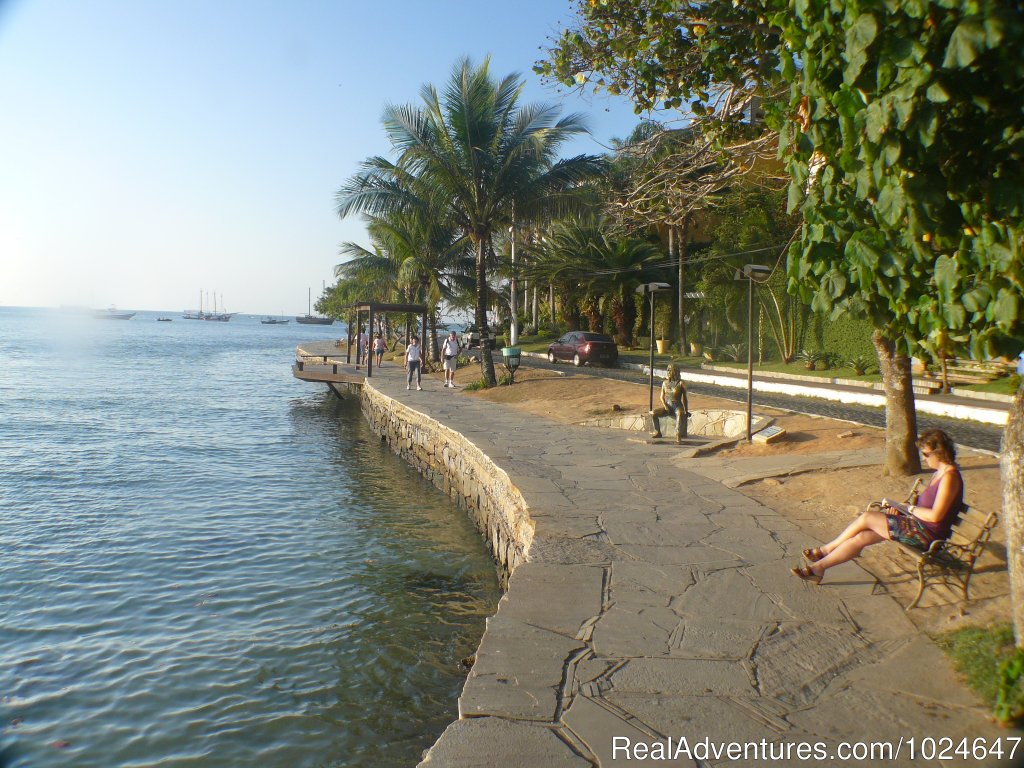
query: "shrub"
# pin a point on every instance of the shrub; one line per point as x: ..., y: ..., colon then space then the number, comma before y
x: 463, y: 361
x: 861, y: 364
x: 831, y: 360
x: 810, y: 358
x: 735, y: 352
x: 475, y: 385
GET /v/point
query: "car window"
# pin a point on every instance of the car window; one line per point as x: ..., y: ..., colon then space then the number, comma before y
x: 563, y: 339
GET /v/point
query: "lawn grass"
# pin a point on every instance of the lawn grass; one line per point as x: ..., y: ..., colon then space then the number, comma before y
x: 1004, y: 385
x: 801, y: 370
x: 980, y: 655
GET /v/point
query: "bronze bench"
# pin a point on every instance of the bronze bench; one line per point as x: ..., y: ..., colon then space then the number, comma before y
x: 949, y: 561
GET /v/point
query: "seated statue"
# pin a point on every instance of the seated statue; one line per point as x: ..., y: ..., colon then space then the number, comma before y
x: 673, y: 403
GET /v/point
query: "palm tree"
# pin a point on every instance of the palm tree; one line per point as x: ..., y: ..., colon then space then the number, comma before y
x: 481, y: 153
x: 604, y: 265
x: 415, y: 256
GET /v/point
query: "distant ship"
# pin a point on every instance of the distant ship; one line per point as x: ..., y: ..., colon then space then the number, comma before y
x: 163, y: 319
x: 215, y: 316
x: 309, y: 318
x: 111, y: 313
x: 274, y: 321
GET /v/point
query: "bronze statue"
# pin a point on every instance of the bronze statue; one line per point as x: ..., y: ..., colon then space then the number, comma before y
x: 673, y: 402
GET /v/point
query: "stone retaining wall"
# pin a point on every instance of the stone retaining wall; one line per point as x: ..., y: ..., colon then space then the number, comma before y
x: 460, y: 469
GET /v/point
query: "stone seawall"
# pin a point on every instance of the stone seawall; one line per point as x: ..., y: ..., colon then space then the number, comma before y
x: 465, y: 473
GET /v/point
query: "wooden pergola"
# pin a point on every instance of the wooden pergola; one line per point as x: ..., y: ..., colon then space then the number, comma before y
x: 376, y: 308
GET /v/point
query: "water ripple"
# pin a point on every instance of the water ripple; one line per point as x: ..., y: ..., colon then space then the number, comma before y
x: 206, y: 563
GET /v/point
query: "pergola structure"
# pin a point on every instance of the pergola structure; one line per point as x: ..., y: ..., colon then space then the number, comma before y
x: 373, y: 308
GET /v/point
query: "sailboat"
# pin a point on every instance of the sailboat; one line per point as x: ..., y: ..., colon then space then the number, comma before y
x: 309, y: 318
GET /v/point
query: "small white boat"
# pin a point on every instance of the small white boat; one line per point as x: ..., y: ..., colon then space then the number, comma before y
x: 112, y: 313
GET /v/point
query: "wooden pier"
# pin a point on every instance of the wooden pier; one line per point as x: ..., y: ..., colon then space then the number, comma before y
x: 326, y: 364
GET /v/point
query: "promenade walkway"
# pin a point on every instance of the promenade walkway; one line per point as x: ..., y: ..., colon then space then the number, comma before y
x: 657, y: 604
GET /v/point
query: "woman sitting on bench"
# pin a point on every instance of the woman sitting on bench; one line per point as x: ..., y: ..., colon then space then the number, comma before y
x: 916, y: 525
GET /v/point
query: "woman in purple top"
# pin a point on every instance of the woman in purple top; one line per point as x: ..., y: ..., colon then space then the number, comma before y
x: 916, y: 525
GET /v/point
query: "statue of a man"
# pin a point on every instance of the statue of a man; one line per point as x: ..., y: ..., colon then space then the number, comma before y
x: 673, y: 402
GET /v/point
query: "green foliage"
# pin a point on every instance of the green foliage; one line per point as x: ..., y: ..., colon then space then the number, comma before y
x: 861, y: 364
x: 810, y: 358
x: 477, y: 155
x: 666, y: 53
x: 847, y: 336
x: 907, y: 168
x: 473, y: 386
x: 991, y: 665
x: 734, y: 352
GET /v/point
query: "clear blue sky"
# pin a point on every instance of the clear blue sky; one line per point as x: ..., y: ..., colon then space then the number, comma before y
x: 153, y: 148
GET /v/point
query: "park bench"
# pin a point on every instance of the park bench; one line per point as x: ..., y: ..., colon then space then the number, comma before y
x: 949, y: 561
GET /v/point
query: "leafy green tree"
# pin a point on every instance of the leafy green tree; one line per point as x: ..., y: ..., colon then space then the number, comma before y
x: 481, y: 152
x: 905, y: 161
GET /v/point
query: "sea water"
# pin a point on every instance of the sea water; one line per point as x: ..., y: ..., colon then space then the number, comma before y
x: 205, y: 562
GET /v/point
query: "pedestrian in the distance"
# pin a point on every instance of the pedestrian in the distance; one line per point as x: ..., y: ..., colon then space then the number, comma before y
x: 362, y: 342
x: 450, y: 350
x: 378, y: 348
x: 1020, y: 364
x: 412, y: 362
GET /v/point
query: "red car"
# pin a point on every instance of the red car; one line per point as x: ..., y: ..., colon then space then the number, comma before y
x: 584, y: 347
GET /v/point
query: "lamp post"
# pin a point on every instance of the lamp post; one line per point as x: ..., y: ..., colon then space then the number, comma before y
x: 645, y: 289
x: 747, y: 273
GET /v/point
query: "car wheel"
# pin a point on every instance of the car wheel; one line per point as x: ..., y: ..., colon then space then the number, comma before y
x: 576, y: 360
x: 551, y: 357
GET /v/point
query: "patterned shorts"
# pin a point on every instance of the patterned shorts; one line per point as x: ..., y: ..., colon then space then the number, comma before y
x: 909, y: 530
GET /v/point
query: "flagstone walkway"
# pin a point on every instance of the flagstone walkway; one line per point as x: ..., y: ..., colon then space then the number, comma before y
x: 657, y: 604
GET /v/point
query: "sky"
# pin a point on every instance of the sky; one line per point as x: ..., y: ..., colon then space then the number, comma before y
x: 153, y: 149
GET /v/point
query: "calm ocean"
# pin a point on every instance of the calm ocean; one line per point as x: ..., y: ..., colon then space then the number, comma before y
x: 204, y: 562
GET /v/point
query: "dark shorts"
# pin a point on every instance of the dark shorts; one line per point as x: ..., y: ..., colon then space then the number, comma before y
x: 910, y: 530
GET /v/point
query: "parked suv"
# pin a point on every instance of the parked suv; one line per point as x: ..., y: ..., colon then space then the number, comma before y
x: 471, y: 337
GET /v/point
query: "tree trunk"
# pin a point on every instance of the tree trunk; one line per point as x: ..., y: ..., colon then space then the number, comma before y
x: 682, y: 247
x: 1012, y: 462
x: 551, y: 301
x: 435, y: 350
x: 901, y: 457
x: 677, y: 299
x: 486, y: 360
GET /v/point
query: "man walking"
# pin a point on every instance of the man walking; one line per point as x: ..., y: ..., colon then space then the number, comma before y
x: 412, y: 362
x: 450, y: 349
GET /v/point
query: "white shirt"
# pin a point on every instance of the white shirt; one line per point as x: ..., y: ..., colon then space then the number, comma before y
x: 412, y: 353
x: 450, y: 347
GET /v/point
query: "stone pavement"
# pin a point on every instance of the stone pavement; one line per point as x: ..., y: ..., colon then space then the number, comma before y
x: 657, y: 604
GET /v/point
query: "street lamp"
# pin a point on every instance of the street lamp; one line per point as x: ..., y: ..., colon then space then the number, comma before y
x: 748, y: 273
x: 645, y: 289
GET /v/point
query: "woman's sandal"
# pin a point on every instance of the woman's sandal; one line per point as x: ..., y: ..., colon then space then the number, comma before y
x: 805, y: 573
x: 814, y: 554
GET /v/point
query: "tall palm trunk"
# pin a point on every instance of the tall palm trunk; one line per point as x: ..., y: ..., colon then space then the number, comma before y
x: 900, y: 414
x: 486, y: 359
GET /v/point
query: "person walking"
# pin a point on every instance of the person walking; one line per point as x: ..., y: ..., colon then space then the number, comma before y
x: 379, y: 346
x: 362, y: 344
x: 413, y: 358
x: 450, y: 350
